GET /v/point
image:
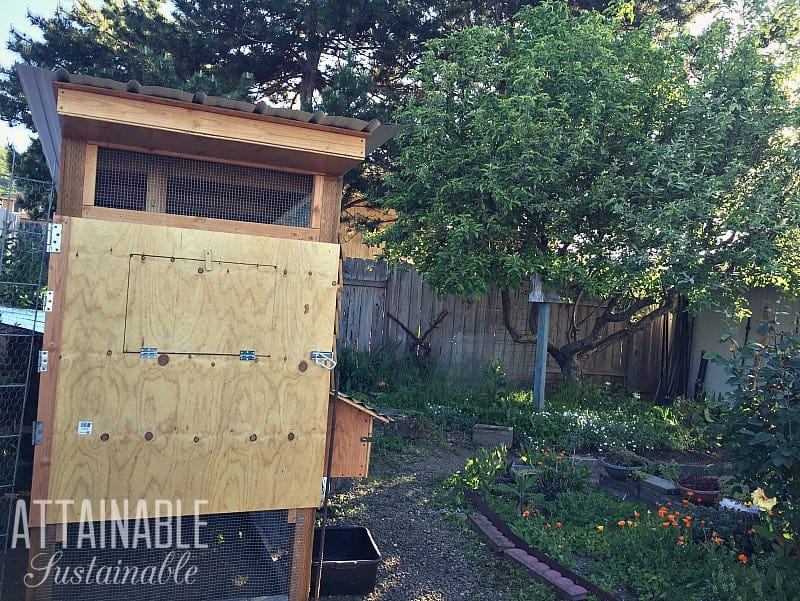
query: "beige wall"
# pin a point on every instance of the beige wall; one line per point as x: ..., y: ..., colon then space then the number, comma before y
x: 765, y: 303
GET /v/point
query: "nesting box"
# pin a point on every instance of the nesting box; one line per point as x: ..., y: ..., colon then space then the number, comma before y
x: 193, y: 284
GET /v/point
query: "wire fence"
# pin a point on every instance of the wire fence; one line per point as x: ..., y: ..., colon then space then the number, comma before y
x: 23, y: 268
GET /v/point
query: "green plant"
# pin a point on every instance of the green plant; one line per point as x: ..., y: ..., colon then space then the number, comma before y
x: 496, y: 381
x: 669, y: 470
x: 757, y: 422
x: 523, y: 490
x: 480, y: 472
x: 624, y: 458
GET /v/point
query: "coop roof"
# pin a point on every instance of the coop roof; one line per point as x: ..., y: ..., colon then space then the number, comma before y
x: 116, y: 110
x: 363, y: 407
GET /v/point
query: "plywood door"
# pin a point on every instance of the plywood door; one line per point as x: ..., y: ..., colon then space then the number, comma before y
x: 196, y: 422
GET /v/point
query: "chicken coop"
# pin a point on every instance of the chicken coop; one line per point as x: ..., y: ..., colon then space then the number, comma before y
x: 191, y: 317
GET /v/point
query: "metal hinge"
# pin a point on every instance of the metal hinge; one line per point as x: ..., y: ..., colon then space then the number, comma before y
x: 247, y: 355
x: 148, y: 352
x: 43, y: 358
x: 323, y: 359
x: 54, y: 237
x: 366, y: 439
x: 37, y: 433
x: 49, y: 297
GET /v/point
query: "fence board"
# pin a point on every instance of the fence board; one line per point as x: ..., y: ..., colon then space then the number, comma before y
x: 472, y: 335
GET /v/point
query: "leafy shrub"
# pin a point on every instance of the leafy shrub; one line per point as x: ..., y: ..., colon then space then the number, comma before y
x: 757, y: 421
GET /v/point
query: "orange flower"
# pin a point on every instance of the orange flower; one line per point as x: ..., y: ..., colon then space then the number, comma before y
x: 686, y: 501
x: 665, y: 524
x: 681, y: 538
x: 662, y: 511
x: 621, y: 523
x: 636, y: 514
x: 671, y: 517
x: 539, y: 463
x: 699, y: 500
x: 526, y: 514
x: 558, y: 524
x: 742, y: 557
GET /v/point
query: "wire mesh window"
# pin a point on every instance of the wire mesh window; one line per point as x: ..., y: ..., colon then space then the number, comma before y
x: 138, y: 181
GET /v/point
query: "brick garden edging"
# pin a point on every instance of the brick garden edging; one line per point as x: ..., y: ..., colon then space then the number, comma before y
x: 567, y: 584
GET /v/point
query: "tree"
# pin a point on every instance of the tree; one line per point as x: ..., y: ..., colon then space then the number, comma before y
x: 617, y: 163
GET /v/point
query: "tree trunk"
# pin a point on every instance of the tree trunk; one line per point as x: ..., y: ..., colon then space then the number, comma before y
x: 569, y: 363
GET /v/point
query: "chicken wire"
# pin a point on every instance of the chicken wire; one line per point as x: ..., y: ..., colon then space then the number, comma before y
x: 137, y: 181
x: 237, y: 556
x: 22, y: 273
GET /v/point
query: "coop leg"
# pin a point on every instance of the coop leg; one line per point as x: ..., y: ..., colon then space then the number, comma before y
x: 300, y: 582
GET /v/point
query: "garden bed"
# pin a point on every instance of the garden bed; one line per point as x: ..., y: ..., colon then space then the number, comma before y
x: 663, y: 550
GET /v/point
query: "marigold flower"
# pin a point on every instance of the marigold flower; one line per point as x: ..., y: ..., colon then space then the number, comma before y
x: 526, y: 514
x: 742, y: 557
x: 601, y: 528
x: 662, y: 511
x: 621, y: 523
x: 558, y: 524
x: 681, y: 538
x: 665, y: 524
x: 636, y: 514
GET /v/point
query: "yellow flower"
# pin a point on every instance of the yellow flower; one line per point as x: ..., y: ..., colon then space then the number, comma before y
x: 761, y: 501
x: 601, y: 528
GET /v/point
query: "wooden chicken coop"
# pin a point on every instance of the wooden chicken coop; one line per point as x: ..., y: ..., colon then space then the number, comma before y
x: 191, y: 314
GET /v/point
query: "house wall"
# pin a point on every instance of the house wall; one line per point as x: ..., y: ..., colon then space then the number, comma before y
x: 765, y: 303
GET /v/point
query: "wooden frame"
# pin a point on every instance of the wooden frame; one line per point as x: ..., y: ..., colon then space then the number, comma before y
x: 80, y: 165
x: 48, y: 381
x: 107, y: 115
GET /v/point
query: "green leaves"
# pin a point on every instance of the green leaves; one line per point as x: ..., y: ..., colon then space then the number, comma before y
x: 611, y: 160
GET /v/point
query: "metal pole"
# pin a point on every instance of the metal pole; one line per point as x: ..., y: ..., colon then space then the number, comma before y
x: 540, y: 370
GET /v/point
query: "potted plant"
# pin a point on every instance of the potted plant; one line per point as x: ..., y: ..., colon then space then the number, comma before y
x: 700, y: 489
x: 620, y: 463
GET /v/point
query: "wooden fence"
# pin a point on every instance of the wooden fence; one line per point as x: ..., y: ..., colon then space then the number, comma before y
x: 383, y: 307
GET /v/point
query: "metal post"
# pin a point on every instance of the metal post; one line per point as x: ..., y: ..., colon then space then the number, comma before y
x: 540, y: 370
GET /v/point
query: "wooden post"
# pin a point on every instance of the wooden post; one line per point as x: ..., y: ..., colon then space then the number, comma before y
x: 300, y: 582
x: 540, y: 372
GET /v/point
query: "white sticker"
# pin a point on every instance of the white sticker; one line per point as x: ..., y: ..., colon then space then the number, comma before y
x: 84, y: 428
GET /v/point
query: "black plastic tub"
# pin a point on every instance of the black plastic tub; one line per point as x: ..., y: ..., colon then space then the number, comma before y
x: 350, y: 562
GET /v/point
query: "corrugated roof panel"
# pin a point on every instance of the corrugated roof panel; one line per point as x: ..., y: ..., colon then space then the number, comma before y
x: 38, y: 87
x: 37, y: 84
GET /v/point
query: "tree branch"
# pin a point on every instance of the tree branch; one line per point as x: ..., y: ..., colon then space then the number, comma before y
x: 516, y: 335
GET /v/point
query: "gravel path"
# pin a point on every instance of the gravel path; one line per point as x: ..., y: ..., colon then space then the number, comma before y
x: 427, y: 556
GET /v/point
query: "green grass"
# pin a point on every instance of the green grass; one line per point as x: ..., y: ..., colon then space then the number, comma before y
x: 576, y: 418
